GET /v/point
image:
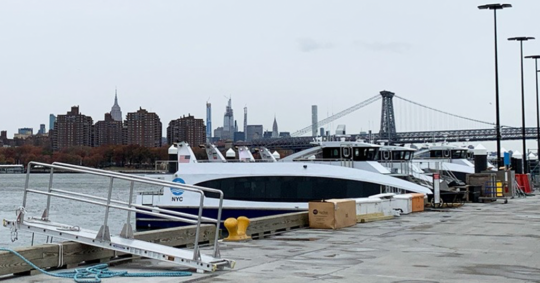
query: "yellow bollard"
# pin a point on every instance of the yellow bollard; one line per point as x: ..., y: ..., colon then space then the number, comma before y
x: 237, y: 229
x: 243, y: 223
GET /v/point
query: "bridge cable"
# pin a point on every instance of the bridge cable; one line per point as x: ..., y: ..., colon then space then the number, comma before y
x: 444, y: 112
x: 338, y: 115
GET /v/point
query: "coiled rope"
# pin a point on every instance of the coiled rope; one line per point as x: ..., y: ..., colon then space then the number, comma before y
x: 93, y: 274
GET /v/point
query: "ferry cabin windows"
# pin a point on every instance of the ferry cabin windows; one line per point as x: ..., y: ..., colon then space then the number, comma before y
x: 358, y: 153
x: 395, y: 155
x: 290, y: 188
x: 447, y: 153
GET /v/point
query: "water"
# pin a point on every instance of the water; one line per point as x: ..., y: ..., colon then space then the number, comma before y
x: 63, y: 211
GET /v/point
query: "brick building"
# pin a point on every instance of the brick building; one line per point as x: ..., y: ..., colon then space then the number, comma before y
x: 71, y: 129
x: 143, y: 128
x: 188, y: 129
x: 108, y: 131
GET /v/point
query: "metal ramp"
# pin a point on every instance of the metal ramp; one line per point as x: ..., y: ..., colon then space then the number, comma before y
x: 124, y: 242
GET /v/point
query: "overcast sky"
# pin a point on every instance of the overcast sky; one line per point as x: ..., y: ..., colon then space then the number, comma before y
x: 275, y: 57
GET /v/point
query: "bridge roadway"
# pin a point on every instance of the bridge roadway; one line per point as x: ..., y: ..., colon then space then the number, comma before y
x: 507, y: 133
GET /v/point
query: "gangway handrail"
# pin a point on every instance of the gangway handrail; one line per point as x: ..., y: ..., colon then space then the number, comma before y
x: 181, y: 214
x: 126, y: 177
x: 167, y: 183
x: 132, y: 179
x: 112, y: 206
x: 211, y: 190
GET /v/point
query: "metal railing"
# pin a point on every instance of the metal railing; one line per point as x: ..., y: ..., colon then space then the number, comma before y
x: 397, y: 167
x: 390, y: 189
x: 129, y: 206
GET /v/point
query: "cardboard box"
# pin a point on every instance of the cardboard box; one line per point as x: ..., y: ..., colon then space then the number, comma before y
x: 332, y: 213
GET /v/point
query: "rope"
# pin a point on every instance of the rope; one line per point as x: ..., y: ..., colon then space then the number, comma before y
x: 93, y: 274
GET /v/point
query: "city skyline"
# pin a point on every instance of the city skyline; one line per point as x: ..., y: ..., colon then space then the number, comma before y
x: 275, y: 58
x: 116, y: 113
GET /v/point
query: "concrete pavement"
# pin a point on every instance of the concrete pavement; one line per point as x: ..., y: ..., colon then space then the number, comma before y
x: 492, y: 242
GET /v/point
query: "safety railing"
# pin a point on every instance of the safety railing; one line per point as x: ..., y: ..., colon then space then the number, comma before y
x: 390, y: 189
x: 397, y: 167
x: 128, y: 206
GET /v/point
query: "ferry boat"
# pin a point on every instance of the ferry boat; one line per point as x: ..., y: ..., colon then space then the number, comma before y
x: 255, y: 189
x: 11, y: 168
x: 352, y: 154
x: 399, y: 160
x: 450, y: 160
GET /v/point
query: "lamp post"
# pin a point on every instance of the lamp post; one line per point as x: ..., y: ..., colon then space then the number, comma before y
x: 496, y: 7
x: 525, y: 155
x: 536, y: 57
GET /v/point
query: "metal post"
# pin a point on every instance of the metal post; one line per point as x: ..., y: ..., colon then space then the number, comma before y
x: 537, y: 110
x: 536, y: 57
x: 496, y: 7
x: 103, y: 234
x: 497, y: 121
x: 28, y: 169
x: 130, y: 201
x: 196, y: 253
x: 525, y: 154
x: 45, y: 215
x: 127, y: 230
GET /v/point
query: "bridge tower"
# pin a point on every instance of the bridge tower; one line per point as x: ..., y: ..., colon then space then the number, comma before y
x: 388, y: 122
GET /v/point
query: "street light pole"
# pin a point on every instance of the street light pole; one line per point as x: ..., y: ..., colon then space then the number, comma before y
x: 536, y: 57
x: 496, y: 7
x: 525, y: 154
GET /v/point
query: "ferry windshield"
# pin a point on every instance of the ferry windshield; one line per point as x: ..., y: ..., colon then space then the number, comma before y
x: 459, y: 154
x: 401, y: 155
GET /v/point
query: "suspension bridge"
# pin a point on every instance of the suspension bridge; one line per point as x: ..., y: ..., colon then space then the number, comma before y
x: 473, y: 129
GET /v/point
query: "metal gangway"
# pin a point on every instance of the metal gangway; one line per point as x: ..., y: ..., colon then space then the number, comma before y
x: 124, y: 242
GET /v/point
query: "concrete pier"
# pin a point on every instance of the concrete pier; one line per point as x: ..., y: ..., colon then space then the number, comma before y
x: 492, y: 242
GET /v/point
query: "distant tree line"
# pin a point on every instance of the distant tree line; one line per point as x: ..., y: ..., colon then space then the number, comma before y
x: 131, y: 156
x: 106, y: 156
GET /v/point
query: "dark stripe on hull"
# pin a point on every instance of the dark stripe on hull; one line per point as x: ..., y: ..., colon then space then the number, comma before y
x: 147, y: 222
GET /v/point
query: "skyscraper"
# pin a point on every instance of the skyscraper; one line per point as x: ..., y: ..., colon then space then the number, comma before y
x: 52, y: 119
x: 275, y: 132
x: 245, y: 123
x: 314, y: 120
x: 208, y: 122
x: 143, y: 128
x: 228, y: 122
x: 42, y: 130
x: 116, y: 112
x: 254, y: 132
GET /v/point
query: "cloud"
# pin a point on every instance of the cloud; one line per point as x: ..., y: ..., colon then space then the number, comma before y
x: 396, y: 47
x: 308, y: 45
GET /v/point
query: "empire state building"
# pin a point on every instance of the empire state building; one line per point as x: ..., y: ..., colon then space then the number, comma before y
x: 116, y: 112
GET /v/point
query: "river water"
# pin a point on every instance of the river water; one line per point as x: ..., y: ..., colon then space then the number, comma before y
x: 69, y: 212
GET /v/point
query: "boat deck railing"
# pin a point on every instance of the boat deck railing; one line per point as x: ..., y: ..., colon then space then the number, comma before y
x: 398, y: 167
x: 129, y: 206
x: 235, y: 161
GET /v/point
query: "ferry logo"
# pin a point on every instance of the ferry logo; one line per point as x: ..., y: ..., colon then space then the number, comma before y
x: 176, y: 191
